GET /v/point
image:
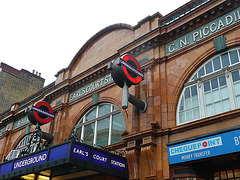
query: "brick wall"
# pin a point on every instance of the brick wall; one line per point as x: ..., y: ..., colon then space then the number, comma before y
x: 16, y: 85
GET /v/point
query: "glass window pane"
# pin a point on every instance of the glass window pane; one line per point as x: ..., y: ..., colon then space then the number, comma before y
x: 196, y: 113
x: 189, y: 115
x: 187, y: 92
x: 216, y: 95
x: 201, y: 72
x: 226, y: 105
x: 194, y: 77
x: 209, y: 109
x: 235, y: 76
x: 115, y: 108
x: 225, y: 60
x: 237, y: 88
x: 104, y: 109
x: 208, y: 97
x: 103, y: 132
x: 195, y: 102
x: 237, y: 172
x: 117, y: 128
x: 182, y: 117
x: 209, y: 67
x: 188, y: 103
x: 216, y: 63
x: 91, y: 115
x: 214, y: 83
x: 100, y: 133
x: 238, y: 101
x: 230, y: 174
x: 81, y: 121
x: 182, y: 105
x: 78, y: 132
x: 224, y: 93
x: 206, y: 86
x: 222, y: 81
x: 217, y: 107
x: 234, y: 57
x: 223, y: 175
x: 194, y: 90
x: 89, y: 133
x: 216, y: 176
x: 217, y: 92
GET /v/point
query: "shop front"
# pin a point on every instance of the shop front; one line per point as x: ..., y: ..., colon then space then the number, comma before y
x: 209, y: 156
x: 164, y: 93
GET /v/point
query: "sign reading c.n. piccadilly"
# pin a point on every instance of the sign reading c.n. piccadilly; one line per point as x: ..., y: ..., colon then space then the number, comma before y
x: 203, y: 32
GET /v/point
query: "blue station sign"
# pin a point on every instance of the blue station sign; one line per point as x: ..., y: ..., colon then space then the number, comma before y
x: 29, y: 161
x: 210, y: 146
x: 70, y: 152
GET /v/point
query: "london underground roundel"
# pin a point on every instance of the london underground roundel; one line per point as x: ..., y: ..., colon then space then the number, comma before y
x: 126, y: 68
x: 132, y: 69
x: 40, y: 113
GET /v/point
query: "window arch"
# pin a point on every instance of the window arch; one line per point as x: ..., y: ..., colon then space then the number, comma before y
x: 214, y: 88
x: 22, y: 146
x: 102, y: 125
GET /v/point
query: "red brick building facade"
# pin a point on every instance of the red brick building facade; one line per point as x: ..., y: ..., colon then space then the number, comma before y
x: 190, y: 60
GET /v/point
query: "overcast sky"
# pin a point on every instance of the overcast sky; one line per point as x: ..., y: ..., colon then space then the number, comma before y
x: 45, y: 35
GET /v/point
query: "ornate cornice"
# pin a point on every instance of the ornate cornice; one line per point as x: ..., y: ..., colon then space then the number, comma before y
x: 198, y: 19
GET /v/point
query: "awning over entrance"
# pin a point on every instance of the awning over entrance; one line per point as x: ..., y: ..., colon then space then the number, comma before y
x: 70, y: 159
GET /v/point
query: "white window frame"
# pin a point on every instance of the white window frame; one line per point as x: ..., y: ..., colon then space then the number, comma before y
x: 199, y: 81
x: 96, y: 120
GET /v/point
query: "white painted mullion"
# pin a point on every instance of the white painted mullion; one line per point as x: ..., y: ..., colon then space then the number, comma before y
x: 110, y: 130
x: 110, y: 126
x: 95, y: 134
x: 82, y: 133
x: 95, y: 128
x: 202, y: 105
x: 230, y: 88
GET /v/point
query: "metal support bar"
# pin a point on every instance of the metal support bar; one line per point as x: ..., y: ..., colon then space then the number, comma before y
x: 140, y: 104
x: 125, y: 96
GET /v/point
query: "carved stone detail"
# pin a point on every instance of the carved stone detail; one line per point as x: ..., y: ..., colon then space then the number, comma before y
x: 149, y: 160
x: 148, y: 156
x: 133, y: 163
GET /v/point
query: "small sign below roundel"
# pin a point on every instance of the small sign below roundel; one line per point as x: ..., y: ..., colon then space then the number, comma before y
x: 40, y: 113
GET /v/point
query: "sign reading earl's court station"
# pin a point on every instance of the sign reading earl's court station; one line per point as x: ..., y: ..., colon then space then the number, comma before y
x: 72, y: 152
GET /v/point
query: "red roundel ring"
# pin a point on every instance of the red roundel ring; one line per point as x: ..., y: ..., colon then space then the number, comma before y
x: 136, y: 80
x: 46, y: 105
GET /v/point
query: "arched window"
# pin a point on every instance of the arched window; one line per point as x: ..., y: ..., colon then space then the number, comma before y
x: 102, y: 125
x: 214, y: 88
x: 22, y: 147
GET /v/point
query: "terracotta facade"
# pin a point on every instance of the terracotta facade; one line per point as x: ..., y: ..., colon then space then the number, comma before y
x: 147, y: 135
